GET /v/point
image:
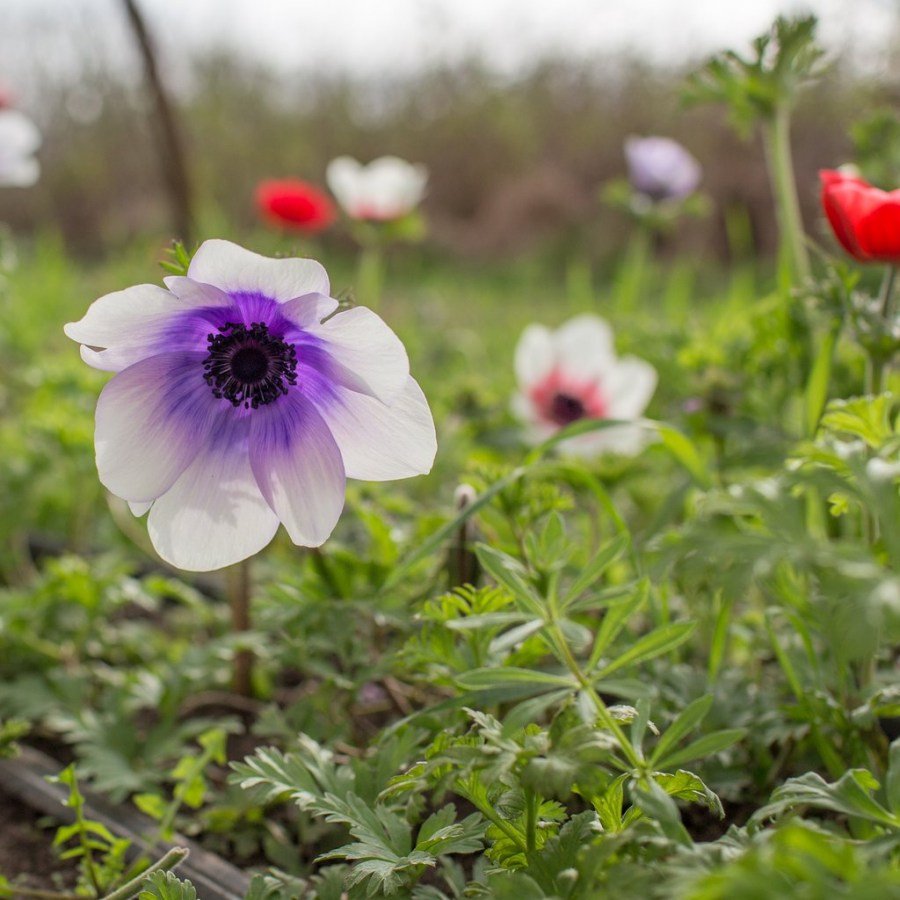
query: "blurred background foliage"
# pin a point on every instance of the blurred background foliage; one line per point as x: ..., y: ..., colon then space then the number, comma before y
x: 516, y: 159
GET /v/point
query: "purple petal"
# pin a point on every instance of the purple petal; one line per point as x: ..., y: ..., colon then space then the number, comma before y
x: 298, y: 467
x: 152, y: 419
x: 661, y: 168
x: 214, y: 515
x: 380, y: 442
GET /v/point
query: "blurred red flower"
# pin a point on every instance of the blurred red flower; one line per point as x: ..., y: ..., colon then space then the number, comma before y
x: 864, y: 219
x: 294, y: 204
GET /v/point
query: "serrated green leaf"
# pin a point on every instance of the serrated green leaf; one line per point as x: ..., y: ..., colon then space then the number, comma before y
x: 167, y: 886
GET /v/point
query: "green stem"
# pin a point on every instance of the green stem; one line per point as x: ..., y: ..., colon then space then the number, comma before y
x: 876, y: 362
x: 18, y: 891
x: 239, y: 600
x: 579, y: 282
x: 784, y: 187
x: 603, y: 713
x: 370, y: 275
x: 173, y: 858
x: 531, y: 807
x: 633, y: 274
x: 886, y: 295
x: 492, y: 816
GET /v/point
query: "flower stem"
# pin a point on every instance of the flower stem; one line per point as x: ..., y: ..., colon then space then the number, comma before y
x: 876, y: 362
x: 173, y: 858
x: 633, y: 275
x: 19, y: 891
x: 370, y: 275
x: 531, y: 807
x: 603, y: 713
x: 784, y: 188
x: 886, y: 295
x: 239, y: 600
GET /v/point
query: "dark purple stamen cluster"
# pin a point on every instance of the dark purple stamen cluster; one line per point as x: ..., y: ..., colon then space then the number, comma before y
x: 566, y: 409
x: 248, y: 366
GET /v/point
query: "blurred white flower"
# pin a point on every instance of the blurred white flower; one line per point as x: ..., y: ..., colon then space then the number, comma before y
x: 385, y: 189
x: 19, y: 140
x: 573, y: 373
x: 661, y: 168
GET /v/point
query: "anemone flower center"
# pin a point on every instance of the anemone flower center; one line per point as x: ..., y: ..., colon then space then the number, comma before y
x: 247, y: 366
x: 565, y: 409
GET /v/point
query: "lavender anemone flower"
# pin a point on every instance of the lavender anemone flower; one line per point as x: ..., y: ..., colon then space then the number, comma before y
x: 242, y: 400
x: 661, y: 168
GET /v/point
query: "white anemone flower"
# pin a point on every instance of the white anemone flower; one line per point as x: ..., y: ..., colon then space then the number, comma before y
x: 387, y: 188
x: 573, y: 373
x: 242, y: 399
x: 19, y: 141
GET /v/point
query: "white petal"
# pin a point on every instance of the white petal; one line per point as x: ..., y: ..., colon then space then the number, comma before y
x: 522, y: 408
x: 387, y: 188
x: 19, y: 172
x: 139, y: 509
x: 19, y: 136
x: 535, y: 357
x: 309, y: 310
x: 370, y: 357
x: 214, y: 515
x: 629, y: 386
x: 298, y: 467
x: 195, y: 293
x: 151, y: 421
x: 394, y: 187
x: 136, y: 323
x: 584, y: 347
x: 626, y: 440
x: 379, y: 442
x: 116, y: 317
x: 344, y: 180
x: 232, y: 268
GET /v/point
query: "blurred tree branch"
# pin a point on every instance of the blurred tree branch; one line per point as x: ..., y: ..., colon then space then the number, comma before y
x: 170, y: 148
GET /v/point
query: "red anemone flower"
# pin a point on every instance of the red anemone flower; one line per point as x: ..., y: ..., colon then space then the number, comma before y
x: 294, y: 204
x: 864, y: 219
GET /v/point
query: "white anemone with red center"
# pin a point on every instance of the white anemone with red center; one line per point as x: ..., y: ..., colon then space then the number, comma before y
x: 573, y: 373
x: 387, y: 188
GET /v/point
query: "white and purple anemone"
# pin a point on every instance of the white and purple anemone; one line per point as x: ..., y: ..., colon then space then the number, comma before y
x: 243, y: 399
x: 661, y: 168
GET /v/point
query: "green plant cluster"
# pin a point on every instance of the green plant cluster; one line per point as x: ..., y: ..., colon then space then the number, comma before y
x: 669, y: 676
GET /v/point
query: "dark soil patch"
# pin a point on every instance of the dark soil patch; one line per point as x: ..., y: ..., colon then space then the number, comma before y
x: 26, y: 852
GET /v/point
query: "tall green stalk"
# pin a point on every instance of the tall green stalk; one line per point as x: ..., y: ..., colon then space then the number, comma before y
x: 876, y: 363
x: 370, y: 275
x: 793, y: 254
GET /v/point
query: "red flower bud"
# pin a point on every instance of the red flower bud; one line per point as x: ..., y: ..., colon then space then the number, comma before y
x: 864, y: 219
x: 291, y: 203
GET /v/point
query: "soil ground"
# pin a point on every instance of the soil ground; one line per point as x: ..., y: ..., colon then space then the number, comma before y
x: 26, y: 852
